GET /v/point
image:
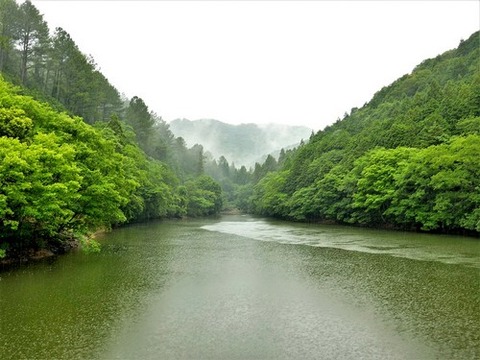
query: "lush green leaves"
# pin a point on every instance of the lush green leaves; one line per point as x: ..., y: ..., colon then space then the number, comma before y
x: 14, y: 123
x: 398, y: 161
x: 203, y: 196
x: 39, y: 188
x: 60, y: 176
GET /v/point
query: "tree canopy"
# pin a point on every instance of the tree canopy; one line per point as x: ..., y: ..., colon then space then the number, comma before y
x: 409, y: 158
x: 61, y: 177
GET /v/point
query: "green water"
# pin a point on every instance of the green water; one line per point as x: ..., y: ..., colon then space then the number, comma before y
x: 245, y: 288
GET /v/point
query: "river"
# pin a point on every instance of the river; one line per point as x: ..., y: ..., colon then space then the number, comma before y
x: 240, y: 287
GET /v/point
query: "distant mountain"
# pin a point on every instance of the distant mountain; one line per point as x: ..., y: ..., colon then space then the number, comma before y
x: 242, y: 144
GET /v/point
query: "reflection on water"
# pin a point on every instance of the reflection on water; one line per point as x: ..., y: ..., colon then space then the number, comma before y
x: 446, y: 249
x: 208, y: 289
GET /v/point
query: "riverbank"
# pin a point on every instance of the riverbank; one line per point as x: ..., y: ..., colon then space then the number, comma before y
x: 231, y: 211
x: 31, y: 255
x: 28, y: 255
x: 390, y: 227
x: 88, y: 242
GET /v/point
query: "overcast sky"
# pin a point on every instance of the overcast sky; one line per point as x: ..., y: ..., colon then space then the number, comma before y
x: 289, y: 62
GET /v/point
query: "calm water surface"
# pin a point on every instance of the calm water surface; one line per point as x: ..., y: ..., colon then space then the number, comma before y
x: 246, y: 288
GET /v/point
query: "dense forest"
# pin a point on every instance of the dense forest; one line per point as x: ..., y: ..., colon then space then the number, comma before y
x: 61, y: 178
x: 74, y: 155
x: 408, y: 159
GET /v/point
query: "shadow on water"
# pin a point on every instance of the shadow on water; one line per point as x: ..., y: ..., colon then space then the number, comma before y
x: 67, y: 307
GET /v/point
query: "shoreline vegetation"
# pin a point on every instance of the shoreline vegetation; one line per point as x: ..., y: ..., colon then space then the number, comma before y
x: 408, y: 159
x: 64, y: 179
x: 89, y: 244
x: 76, y: 156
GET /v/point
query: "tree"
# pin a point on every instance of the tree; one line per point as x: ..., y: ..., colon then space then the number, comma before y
x: 14, y: 123
x: 8, y: 32
x: 268, y: 198
x: 439, y: 188
x: 39, y: 185
x: 33, y: 34
x: 241, y: 176
x: 139, y: 117
x: 204, y: 196
x: 224, y: 167
x: 378, y: 173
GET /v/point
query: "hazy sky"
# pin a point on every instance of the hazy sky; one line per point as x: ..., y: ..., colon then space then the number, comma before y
x: 290, y: 62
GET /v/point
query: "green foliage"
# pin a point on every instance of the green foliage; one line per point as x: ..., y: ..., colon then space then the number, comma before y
x: 409, y: 158
x: 243, y: 198
x: 269, y: 198
x: 237, y: 184
x: 89, y: 245
x: 14, y: 123
x: 377, y: 173
x: 203, y: 196
x: 140, y: 118
x: 469, y: 125
x: 60, y: 178
x: 39, y: 186
x: 439, y: 188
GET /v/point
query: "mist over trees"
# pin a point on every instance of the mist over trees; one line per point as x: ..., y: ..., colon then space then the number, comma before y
x: 243, y: 144
x: 408, y: 159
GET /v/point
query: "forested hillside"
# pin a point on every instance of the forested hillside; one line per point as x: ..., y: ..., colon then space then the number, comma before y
x: 409, y: 158
x: 51, y: 66
x: 61, y: 178
x: 242, y: 145
x: 74, y: 155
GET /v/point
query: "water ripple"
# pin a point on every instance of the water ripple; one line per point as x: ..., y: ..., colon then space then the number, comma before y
x: 446, y: 249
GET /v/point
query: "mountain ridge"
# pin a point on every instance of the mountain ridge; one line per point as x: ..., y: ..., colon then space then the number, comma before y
x: 242, y: 144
